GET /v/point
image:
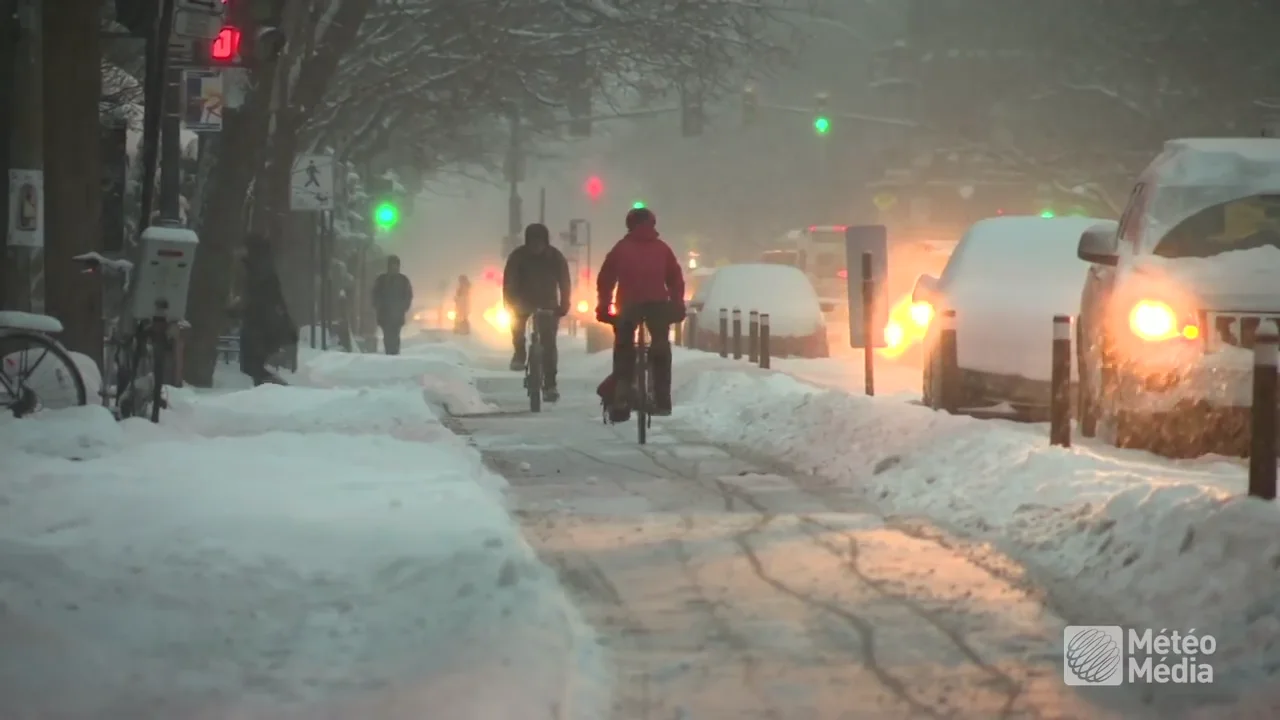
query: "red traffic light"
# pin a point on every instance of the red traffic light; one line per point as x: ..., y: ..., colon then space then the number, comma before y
x: 226, y: 46
x: 593, y: 187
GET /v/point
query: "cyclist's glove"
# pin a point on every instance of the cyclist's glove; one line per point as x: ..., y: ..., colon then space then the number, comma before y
x: 678, y: 311
x: 602, y: 314
x: 562, y: 311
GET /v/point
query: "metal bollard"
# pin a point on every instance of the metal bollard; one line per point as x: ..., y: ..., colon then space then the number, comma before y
x: 724, y: 332
x: 678, y: 328
x: 868, y: 320
x: 950, y: 370
x: 753, y: 336
x: 764, y: 341
x: 1060, y: 383
x: 1262, y: 430
x: 737, y: 334
x: 691, y: 332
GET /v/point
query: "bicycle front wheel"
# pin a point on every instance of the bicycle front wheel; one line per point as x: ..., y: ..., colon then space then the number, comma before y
x: 37, y: 372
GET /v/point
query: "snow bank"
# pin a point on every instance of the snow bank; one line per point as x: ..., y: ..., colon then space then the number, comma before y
x: 1006, y: 280
x: 782, y: 291
x: 200, y: 570
x: 1173, y: 544
x: 279, y: 408
x: 441, y: 370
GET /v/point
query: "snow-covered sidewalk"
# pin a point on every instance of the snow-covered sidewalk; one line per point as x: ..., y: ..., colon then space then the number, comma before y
x: 281, y: 552
x: 1156, y: 543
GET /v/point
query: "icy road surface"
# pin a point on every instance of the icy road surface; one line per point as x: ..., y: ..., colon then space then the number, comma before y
x: 726, y: 586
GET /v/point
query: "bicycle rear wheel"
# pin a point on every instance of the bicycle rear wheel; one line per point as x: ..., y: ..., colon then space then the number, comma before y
x: 534, y: 378
x: 37, y: 372
x: 159, y: 358
x: 642, y: 393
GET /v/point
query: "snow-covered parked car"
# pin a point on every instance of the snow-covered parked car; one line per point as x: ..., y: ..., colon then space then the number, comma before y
x: 1174, y: 298
x: 796, y: 325
x: 1005, y: 281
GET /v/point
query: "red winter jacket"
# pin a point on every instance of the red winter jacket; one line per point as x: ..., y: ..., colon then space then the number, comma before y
x: 643, y: 269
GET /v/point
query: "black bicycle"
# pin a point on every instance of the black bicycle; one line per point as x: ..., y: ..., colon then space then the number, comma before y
x: 642, y: 384
x: 534, y: 372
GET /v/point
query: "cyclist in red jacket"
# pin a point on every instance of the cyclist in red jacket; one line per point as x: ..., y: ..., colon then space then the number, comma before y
x: 650, y: 289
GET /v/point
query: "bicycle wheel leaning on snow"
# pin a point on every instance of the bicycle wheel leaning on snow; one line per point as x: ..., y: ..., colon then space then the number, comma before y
x: 37, y: 372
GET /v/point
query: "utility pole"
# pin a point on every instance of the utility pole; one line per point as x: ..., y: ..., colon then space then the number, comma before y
x: 515, y: 174
x: 171, y: 123
x: 8, y: 67
x: 73, y: 169
x: 25, y: 141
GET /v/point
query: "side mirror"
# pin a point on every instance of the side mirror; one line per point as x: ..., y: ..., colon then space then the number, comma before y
x: 1099, y: 245
x: 925, y: 290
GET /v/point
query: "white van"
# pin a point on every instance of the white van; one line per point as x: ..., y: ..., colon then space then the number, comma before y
x: 1174, y: 297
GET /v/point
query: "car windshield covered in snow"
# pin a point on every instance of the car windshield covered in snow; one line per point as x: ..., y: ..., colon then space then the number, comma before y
x: 1244, y: 223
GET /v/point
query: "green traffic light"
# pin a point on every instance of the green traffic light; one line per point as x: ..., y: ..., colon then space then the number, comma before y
x: 386, y: 216
x: 1046, y: 214
x: 822, y: 125
x: 638, y: 205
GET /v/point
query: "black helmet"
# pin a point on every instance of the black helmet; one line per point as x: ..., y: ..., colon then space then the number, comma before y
x: 537, y: 234
x: 640, y: 217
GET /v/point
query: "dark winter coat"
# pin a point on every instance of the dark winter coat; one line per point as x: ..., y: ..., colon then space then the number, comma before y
x: 267, y: 326
x: 535, y: 280
x: 392, y: 297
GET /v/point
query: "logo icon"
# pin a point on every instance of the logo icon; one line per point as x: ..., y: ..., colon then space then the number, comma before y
x: 1093, y: 655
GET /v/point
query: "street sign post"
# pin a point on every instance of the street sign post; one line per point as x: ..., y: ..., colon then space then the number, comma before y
x: 311, y: 184
x: 202, y: 99
x: 859, y: 239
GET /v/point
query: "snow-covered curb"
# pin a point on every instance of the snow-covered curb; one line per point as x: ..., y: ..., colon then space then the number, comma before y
x: 1168, y: 544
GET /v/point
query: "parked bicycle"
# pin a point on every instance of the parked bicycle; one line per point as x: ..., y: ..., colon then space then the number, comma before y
x: 534, y: 372
x: 36, y: 371
x: 133, y: 351
x: 142, y: 314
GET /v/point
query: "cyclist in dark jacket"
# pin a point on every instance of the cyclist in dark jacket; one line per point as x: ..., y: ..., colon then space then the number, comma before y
x: 536, y: 277
x: 650, y: 288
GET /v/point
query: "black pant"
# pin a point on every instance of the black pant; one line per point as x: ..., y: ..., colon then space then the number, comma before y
x: 550, y: 325
x: 391, y: 338
x: 657, y: 320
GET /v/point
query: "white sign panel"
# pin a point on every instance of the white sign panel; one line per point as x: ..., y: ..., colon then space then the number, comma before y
x: 198, y: 25
x: 211, y: 7
x: 202, y: 100
x: 26, y: 208
x: 312, y: 183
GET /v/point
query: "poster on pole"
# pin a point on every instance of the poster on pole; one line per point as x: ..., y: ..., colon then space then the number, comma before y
x: 26, y: 208
x: 311, y: 184
x: 202, y: 99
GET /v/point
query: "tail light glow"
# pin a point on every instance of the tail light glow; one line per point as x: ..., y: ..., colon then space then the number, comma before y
x: 843, y: 274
